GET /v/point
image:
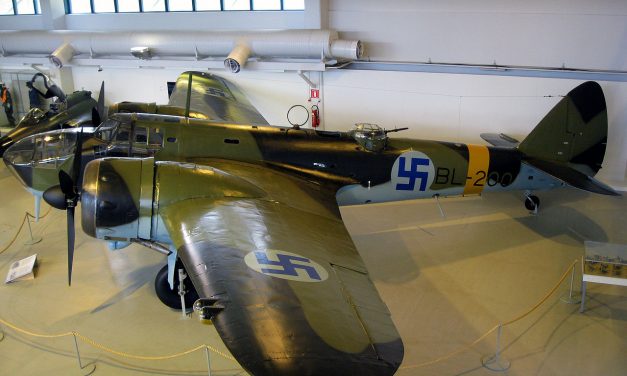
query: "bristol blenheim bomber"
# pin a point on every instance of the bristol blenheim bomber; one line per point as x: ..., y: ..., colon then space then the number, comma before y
x: 251, y: 210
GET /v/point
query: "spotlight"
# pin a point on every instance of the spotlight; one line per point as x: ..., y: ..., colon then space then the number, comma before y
x: 62, y: 55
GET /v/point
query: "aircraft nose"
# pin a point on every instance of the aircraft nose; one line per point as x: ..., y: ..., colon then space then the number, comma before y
x: 23, y: 172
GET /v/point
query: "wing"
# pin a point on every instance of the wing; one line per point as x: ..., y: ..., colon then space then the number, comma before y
x: 215, y: 97
x: 274, y: 252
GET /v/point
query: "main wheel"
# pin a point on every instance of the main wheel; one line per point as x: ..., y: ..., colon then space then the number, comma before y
x: 171, y: 297
x: 532, y: 202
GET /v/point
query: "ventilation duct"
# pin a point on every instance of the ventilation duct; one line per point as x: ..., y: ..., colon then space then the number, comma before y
x: 236, y: 47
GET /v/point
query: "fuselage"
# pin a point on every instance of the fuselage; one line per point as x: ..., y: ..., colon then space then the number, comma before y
x: 403, y: 169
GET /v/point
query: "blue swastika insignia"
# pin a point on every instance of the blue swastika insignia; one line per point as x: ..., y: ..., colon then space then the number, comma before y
x: 412, y: 174
x: 288, y: 268
x: 286, y: 265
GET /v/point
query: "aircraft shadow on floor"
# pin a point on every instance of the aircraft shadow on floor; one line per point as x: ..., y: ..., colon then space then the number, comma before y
x: 397, y: 255
x: 138, y: 277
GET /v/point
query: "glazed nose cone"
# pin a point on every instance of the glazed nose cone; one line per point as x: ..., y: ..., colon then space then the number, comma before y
x: 5, y: 144
x: 18, y: 163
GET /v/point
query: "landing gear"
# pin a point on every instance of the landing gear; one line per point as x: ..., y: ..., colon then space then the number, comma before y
x: 170, y: 297
x: 532, y: 203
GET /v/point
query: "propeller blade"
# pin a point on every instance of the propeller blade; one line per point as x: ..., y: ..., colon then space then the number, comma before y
x: 70, y: 243
x: 95, y: 117
x: 101, y: 104
x: 66, y: 184
x: 76, y: 163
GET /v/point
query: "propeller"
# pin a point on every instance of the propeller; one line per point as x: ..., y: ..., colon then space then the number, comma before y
x: 65, y: 196
x: 98, y: 113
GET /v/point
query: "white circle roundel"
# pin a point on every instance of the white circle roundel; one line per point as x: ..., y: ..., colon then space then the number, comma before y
x: 412, y: 171
x: 285, y: 265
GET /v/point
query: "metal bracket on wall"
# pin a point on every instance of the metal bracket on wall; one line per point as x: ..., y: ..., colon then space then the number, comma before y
x: 307, y: 80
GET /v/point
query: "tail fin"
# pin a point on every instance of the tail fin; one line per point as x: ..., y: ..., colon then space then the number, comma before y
x: 569, y: 143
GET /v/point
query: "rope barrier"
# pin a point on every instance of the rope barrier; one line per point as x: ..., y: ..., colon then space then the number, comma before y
x: 99, y: 346
x: 482, y: 337
x: 545, y: 298
x: 32, y: 334
x: 90, y: 341
x: 17, y: 233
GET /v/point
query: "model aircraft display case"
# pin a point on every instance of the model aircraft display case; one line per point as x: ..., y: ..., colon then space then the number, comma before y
x: 603, y: 263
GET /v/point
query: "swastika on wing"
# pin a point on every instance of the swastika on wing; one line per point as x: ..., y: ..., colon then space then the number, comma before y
x: 412, y: 174
x: 288, y: 267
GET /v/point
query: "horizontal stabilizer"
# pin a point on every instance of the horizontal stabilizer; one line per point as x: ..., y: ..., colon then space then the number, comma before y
x: 500, y: 139
x: 572, y: 177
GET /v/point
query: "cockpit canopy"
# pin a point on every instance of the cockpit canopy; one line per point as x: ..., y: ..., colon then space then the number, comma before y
x: 370, y: 136
x: 44, y: 149
x: 125, y: 137
x: 32, y: 117
x: 109, y: 129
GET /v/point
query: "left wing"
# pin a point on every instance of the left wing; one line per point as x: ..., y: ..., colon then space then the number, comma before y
x: 215, y: 97
x: 274, y: 252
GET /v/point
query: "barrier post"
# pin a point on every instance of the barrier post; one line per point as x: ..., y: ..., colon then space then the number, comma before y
x: 495, y: 362
x: 583, y: 297
x: 208, y: 360
x: 437, y: 200
x: 32, y: 239
x: 569, y: 299
x: 78, y: 357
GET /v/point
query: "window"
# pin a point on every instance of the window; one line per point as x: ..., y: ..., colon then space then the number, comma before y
x: 293, y: 4
x: 154, y: 5
x: 208, y: 5
x: 104, y: 6
x: 155, y: 138
x: 180, y: 5
x: 19, y: 7
x: 136, y: 6
x: 267, y: 4
x: 236, y: 5
x: 125, y: 6
x: 140, y: 135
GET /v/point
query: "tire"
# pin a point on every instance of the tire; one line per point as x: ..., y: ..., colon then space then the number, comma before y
x: 170, y: 297
x: 532, y: 203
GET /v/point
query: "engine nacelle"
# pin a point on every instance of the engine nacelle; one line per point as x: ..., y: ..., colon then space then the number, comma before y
x: 122, y: 198
x: 116, y: 201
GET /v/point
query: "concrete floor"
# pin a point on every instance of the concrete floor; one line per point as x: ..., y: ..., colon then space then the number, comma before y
x: 447, y: 280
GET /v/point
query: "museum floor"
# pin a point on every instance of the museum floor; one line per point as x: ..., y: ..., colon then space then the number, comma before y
x: 446, y: 280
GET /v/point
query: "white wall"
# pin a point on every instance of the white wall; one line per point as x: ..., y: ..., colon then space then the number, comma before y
x: 578, y: 33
